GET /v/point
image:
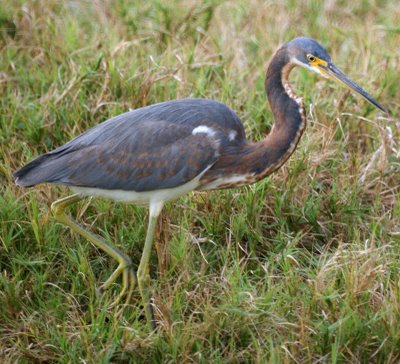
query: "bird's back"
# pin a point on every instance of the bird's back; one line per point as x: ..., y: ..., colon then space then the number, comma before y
x: 145, y: 149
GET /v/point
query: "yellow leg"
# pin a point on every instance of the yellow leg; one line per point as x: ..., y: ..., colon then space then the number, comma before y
x: 125, y: 264
x: 143, y: 275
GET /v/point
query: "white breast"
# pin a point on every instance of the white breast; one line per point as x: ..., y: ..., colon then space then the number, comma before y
x: 230, y: 181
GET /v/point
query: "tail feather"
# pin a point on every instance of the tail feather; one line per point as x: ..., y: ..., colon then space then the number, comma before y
x: 41, y: 170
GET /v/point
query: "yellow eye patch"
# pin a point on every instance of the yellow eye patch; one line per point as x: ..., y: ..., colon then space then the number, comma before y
x: 318, y: 62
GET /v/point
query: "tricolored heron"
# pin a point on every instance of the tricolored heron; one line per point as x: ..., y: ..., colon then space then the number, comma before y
x: 160, y: 152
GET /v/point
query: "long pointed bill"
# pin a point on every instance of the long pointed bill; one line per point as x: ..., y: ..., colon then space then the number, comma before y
x: 331, y: 71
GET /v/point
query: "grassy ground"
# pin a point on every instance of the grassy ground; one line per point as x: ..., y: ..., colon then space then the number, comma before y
x: 301, y: 267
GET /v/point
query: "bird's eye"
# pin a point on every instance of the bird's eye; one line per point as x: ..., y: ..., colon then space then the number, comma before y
x: 310, y: 57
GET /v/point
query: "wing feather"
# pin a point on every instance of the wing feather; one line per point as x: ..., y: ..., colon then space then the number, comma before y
x: 144, y: 149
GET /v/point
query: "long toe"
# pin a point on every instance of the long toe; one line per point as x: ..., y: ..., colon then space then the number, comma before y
x: 132, y: 284
x: 128, y: 284
x: 112, y: 278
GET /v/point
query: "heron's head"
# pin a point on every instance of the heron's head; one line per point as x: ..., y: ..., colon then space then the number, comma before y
x: 310, y: 54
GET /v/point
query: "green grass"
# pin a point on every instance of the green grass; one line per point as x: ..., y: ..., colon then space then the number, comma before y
x: 301, y: 267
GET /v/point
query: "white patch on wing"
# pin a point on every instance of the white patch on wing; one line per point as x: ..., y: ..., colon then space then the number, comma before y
x: 232, y: 135
x: 203, y: 129
x: 146, y: 197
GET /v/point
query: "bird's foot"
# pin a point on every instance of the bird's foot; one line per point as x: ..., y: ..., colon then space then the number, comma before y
x: 129, y: 281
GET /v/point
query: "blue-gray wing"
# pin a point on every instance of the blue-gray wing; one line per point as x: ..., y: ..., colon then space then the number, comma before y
x: 142, y: 150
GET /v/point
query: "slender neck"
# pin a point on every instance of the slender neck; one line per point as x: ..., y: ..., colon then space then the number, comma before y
x: 249, y: 162
x: 289, y: 117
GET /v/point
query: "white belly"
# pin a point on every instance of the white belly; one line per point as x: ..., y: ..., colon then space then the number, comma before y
x: 145, y: 197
